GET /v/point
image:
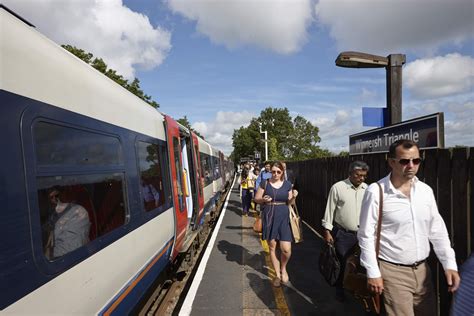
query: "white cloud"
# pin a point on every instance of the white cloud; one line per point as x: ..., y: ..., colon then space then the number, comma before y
x: 387, y: 26
x: 334, y: 128
x: 277, y: 25
x: 458, y: 119
x: 219, y: 131
x: 439, y: 76
x: 367, y: 96
x: 126, y: 40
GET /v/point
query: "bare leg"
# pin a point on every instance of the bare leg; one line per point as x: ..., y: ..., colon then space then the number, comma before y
x: 276, y: 264
x: 285, y: 247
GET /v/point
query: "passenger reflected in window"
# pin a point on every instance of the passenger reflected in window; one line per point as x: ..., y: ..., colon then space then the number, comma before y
x: 67, y: 227
x: 151, y: 197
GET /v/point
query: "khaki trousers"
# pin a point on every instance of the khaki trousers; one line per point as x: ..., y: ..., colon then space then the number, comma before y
x: 408, y: 291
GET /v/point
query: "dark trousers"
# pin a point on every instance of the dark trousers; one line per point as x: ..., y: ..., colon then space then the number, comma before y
x: 246, y: 200
x: 344, y: 243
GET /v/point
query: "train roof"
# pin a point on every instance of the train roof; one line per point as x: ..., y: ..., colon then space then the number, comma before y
x: 35, y: 67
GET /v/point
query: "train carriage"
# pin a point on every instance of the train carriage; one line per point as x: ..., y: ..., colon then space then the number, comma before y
x: 80, y: 146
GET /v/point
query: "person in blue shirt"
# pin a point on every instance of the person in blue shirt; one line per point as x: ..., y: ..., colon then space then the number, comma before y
x: 265, y: 174
x: 464, y: 298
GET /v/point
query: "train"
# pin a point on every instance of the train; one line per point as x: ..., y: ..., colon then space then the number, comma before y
x: 100, y: 192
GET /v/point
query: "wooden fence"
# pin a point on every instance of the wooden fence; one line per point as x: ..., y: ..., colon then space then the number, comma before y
x: 449, y: 172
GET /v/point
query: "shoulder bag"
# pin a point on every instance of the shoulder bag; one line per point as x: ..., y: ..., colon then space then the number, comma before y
x: 257, y: 226
x: 295, y: 223
x: 355, y: 276
x: 329, y: 264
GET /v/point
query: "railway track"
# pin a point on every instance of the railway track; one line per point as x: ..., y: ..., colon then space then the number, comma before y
x: 167, y: 297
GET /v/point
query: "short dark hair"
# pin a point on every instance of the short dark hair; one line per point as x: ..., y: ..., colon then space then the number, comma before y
x: 406, y: 143
x: 358, y: 165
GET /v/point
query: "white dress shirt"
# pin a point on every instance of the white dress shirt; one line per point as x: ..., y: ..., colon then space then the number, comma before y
x: 408, y: 227
x: 343, y: 206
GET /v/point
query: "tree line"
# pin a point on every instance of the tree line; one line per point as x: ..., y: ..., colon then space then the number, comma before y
x: 288, y: 138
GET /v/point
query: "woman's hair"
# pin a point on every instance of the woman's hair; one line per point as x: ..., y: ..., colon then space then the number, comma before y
x: 245, y: 173
x: 279, y: 165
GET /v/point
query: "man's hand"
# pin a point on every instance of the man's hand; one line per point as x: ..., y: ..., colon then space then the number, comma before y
x: 328, y: 237
x: 375, y: 285
x: 453, y: 279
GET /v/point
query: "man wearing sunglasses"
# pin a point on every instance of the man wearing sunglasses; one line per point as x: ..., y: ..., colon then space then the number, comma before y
x: 410, y: 221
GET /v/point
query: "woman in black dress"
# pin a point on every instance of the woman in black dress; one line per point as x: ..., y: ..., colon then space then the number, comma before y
x: 274, y: 195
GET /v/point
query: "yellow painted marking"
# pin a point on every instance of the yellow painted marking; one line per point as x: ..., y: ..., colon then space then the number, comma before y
x: 277, y: 291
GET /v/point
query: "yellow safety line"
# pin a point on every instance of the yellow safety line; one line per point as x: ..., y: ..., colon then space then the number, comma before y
x: 277, y: 291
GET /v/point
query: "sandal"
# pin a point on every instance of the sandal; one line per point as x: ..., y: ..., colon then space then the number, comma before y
x: 276, y: 282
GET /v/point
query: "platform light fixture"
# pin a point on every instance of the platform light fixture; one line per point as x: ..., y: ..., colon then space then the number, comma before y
x: 393, y: 64
x: 266, y: 140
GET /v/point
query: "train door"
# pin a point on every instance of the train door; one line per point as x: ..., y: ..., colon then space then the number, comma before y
x: 198, y: 194
x: 177, y: 176
x: 187, y: 172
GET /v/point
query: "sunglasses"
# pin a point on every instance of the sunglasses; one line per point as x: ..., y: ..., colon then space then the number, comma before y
x: 404, y: 162
x: 277, y: 171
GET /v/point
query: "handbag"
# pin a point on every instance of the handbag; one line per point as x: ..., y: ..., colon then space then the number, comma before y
x: 296, y: 224
x: 355, y: 276
x: 257, y: 226
x: 329, y: 264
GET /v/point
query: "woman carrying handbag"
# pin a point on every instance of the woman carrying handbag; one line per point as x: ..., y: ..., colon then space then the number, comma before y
x: 274, y: 194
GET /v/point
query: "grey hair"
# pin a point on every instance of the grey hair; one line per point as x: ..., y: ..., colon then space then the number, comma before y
x: 358, y: 165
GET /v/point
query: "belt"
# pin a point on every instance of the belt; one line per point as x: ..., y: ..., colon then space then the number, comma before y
x: 413, y: 265
x: 275, y: 203
x: 344, y: 230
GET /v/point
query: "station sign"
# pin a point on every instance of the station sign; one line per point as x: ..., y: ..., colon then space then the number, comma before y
x: 426, y: 131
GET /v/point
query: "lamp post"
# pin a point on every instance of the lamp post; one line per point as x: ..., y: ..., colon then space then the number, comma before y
x: 393, y: 65
x: 266, y: 141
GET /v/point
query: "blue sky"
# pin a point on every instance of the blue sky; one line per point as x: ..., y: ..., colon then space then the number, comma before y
x: 221, y: 62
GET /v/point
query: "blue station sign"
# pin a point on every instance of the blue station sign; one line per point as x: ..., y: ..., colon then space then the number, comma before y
x: 426, y: 131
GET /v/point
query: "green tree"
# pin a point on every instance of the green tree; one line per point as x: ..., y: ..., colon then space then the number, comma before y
x: 278, y: 124
x: 100, y: 65
x: 289, y: 139
x: 303, y: 141
x: 184, y: 121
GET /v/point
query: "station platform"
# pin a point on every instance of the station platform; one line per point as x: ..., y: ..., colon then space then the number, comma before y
x: 235, y: 274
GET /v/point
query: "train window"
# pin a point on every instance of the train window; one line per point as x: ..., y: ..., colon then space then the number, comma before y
x: 207, y: 168
x: 76, y: 209
x: 60, y: 145
x: 151, y: 177
x: 217, y: 171
x: 178, y: 168
x: 199, y: 171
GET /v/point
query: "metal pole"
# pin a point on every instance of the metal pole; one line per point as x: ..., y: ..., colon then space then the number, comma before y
x: 266, y: 147
x: 394, y: 88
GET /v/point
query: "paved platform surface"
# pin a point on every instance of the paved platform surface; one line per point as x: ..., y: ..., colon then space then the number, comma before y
x: 237, y: 277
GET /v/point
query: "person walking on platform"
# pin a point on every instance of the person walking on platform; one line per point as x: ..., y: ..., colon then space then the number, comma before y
x: 247, y: 180
x: 265, y: 174
x: 254, y: 205
x: 341, y: 218
x: 275, y: 195
x: 410, y: 221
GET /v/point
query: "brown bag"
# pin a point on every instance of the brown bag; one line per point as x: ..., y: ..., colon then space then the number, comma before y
x: 355, y: 276
x: 257, y: 226
x: 296, y: 224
